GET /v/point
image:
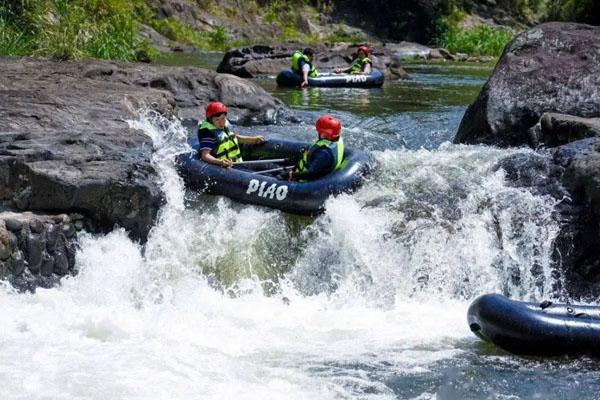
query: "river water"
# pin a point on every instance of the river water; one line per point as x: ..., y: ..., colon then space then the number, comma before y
x: 366, y: 301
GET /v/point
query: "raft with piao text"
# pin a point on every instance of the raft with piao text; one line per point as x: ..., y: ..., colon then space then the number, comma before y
x: 289, y: 78
x: 252, y: 187
x: 540, y: 329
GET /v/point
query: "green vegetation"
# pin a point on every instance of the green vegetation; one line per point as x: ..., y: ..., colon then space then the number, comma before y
x: 67, y: 29
x: 340, y: 35
x: 480, y: 40
x: 107, y: 29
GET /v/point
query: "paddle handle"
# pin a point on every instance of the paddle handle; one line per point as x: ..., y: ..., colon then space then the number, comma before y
x: 275, y: 160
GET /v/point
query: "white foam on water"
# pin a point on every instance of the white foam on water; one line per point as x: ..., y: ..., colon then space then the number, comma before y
x: 375, y: 287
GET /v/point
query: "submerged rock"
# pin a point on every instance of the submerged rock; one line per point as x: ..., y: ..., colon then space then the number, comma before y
x: 249, y: 62
x: 553, y: 67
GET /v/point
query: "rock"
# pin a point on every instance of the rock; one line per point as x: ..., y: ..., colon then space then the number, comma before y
x: 306, y: 26
x: 553, y: 67
x: 66, y: 143
x: 249, y: 62
x: 18, y: 263
x: 557, y: 129
x: 409, y: 50
x: 5, y: 244
x: 435, y: 54
x: 61, y: 263
x: 579, y: 240
x: 36, y: 226
x: 13, y: 225
x: 156, y: 40
x: 33, y: 252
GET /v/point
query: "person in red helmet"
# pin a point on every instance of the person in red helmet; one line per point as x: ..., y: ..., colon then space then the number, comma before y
x: 325, y: 155
x: 219, y: 144
x: 361, y: 65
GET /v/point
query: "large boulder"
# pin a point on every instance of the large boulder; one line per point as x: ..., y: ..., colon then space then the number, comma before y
x: 65, y: 143
x: 553, y: 67
x: 579, y: 240
x: 249, y: 62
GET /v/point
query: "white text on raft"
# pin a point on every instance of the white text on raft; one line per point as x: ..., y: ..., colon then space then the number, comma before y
x: 258, y: 187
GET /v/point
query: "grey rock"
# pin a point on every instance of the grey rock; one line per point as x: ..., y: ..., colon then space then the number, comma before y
x: 47, y: 267
x: 61, y: 263
x: 33, y: 252
x: 559, y: 129
x: 13, y: 225
x: 579, y: 240
x: 52, y: 234
x: 68, y: 230
x: 18, y: 263
x: 409, y: 50
x: 36, y: 226
x: 5, y: 244
x: 67, y: 145
x: 553, y: 67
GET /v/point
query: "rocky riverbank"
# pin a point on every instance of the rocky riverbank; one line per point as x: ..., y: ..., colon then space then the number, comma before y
x: 545, y: 91
x: 69, y: 159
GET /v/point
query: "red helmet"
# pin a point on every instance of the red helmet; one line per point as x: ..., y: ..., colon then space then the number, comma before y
x: 329, y: 127
x: 214, y: 108
x: 364, y: 49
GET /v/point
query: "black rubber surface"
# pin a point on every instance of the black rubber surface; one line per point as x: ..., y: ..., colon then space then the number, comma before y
x: 544, y: 329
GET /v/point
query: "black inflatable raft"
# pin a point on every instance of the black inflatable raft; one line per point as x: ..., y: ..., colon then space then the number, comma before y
x: 544, y: 329
x: 289, y: 78
x: 249, y: 187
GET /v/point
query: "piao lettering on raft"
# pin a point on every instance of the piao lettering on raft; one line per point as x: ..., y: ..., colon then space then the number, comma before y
x: 262, y: 190
x: 356, y: 78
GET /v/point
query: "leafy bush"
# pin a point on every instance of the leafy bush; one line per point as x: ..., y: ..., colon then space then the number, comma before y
x: 480, y: 40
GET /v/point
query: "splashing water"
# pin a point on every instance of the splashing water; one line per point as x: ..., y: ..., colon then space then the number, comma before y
x: 226, y: 301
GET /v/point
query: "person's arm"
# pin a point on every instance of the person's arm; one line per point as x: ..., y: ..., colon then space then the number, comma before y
x: 319, y: 165
x: 367, y: 68
x: 207, y: 157
x: 250, y: 139
x: 342, y: 70
x: 305, y: 70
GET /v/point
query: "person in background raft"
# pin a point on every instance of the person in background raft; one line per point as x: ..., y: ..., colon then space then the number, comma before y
x: 323, y: 156
x: 361, y: 65
x: 302, y: 65
x: 219, y: 144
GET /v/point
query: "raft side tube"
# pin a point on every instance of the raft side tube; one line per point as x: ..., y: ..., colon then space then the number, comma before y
x: 288, y: 78
x: 247, y: 187
x: 536, y: 329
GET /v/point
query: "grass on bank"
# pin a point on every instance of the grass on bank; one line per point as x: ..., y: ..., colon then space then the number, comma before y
x: 480, y: 40
x: 72, y: 29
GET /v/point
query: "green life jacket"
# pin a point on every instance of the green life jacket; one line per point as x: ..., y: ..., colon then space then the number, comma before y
x: 228, y: 147
x: 358, y: 65
x: 337, y: 149
x: 296, y: 57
